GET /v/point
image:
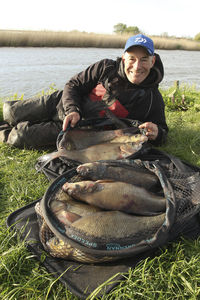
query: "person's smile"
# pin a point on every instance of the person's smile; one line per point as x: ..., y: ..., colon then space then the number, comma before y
x: 137, y: 64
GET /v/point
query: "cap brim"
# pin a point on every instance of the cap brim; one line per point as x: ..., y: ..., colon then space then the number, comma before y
x: 136, y: 45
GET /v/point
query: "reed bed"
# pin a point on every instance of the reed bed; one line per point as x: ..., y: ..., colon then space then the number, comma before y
x: 176, y: 44
x: 59, y: 39
x: 17, y: 38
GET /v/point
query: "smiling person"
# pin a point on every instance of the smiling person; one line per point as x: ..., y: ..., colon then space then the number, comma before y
x: 128, y: 86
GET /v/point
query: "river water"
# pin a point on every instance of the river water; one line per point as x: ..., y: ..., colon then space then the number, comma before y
x: 29, y: 71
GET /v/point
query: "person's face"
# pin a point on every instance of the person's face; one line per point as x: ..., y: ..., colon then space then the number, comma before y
x: 137, y: 64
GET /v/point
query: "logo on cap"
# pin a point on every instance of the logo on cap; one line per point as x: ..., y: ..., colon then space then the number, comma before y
x: 140, y: 40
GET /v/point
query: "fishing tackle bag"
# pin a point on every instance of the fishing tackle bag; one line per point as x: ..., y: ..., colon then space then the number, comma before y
x: 180, y: 184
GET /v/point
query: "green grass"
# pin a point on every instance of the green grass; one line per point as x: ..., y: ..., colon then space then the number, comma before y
x: 173, y: 274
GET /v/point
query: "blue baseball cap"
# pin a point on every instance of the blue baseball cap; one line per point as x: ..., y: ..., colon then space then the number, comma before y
x: 140, y: 40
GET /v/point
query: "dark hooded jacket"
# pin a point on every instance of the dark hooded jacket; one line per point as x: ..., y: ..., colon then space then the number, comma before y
x: 143, y: 102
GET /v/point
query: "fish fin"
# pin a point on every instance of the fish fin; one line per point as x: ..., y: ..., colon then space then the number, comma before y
x: 126, y: 149
x: 67, y: 217
x: 105, y: 180
x: 72, y: 217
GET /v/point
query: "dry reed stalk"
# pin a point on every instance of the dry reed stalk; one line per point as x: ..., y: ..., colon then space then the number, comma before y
x: 17, y: 38
x: 175, y: 43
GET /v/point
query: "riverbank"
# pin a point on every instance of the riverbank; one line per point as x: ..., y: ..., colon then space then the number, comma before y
x: 19, y: 38
x: 174, y: 268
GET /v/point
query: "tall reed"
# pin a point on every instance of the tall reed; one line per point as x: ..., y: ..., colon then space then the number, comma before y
x: 17, y: 38
x: 175, y: 43
x: 59, y: 39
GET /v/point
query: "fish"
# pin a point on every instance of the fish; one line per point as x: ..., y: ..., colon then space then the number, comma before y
x: 116, y: 225
x: 120, y: 228
x: 76, y: 139
x: 89, y: 145
x: 56, y: 247
x: 120, y: 171
x: 106, y: 151
x: 116, y: 195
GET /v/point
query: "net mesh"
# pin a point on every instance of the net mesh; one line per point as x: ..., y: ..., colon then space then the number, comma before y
x: 183, y: 206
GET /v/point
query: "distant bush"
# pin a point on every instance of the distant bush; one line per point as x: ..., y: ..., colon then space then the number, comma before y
x: 121, y: 28
x: 197, y: 37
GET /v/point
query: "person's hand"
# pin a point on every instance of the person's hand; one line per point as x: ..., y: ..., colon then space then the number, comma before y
x: 151, y: 130
x: 71, y: 118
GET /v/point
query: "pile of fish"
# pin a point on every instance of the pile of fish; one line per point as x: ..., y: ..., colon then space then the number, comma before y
x: 114, y: 201
x: 110, y: 201
x: 89, y: 145
x: 114, y: 187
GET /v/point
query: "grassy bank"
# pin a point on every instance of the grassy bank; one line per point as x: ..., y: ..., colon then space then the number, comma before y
x: 16, y: 38
x: 172, y: 274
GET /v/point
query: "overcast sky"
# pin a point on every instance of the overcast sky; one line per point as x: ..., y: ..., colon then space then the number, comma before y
x: 179, y: 18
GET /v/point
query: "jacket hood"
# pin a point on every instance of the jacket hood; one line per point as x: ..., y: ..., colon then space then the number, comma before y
x: 155, y: 76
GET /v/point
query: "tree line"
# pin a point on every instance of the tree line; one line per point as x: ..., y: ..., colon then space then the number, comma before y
x: 121, y: 28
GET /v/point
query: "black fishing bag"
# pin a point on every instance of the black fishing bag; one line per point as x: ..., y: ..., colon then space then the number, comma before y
x: 180, y: 183
x: 111, y: 255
